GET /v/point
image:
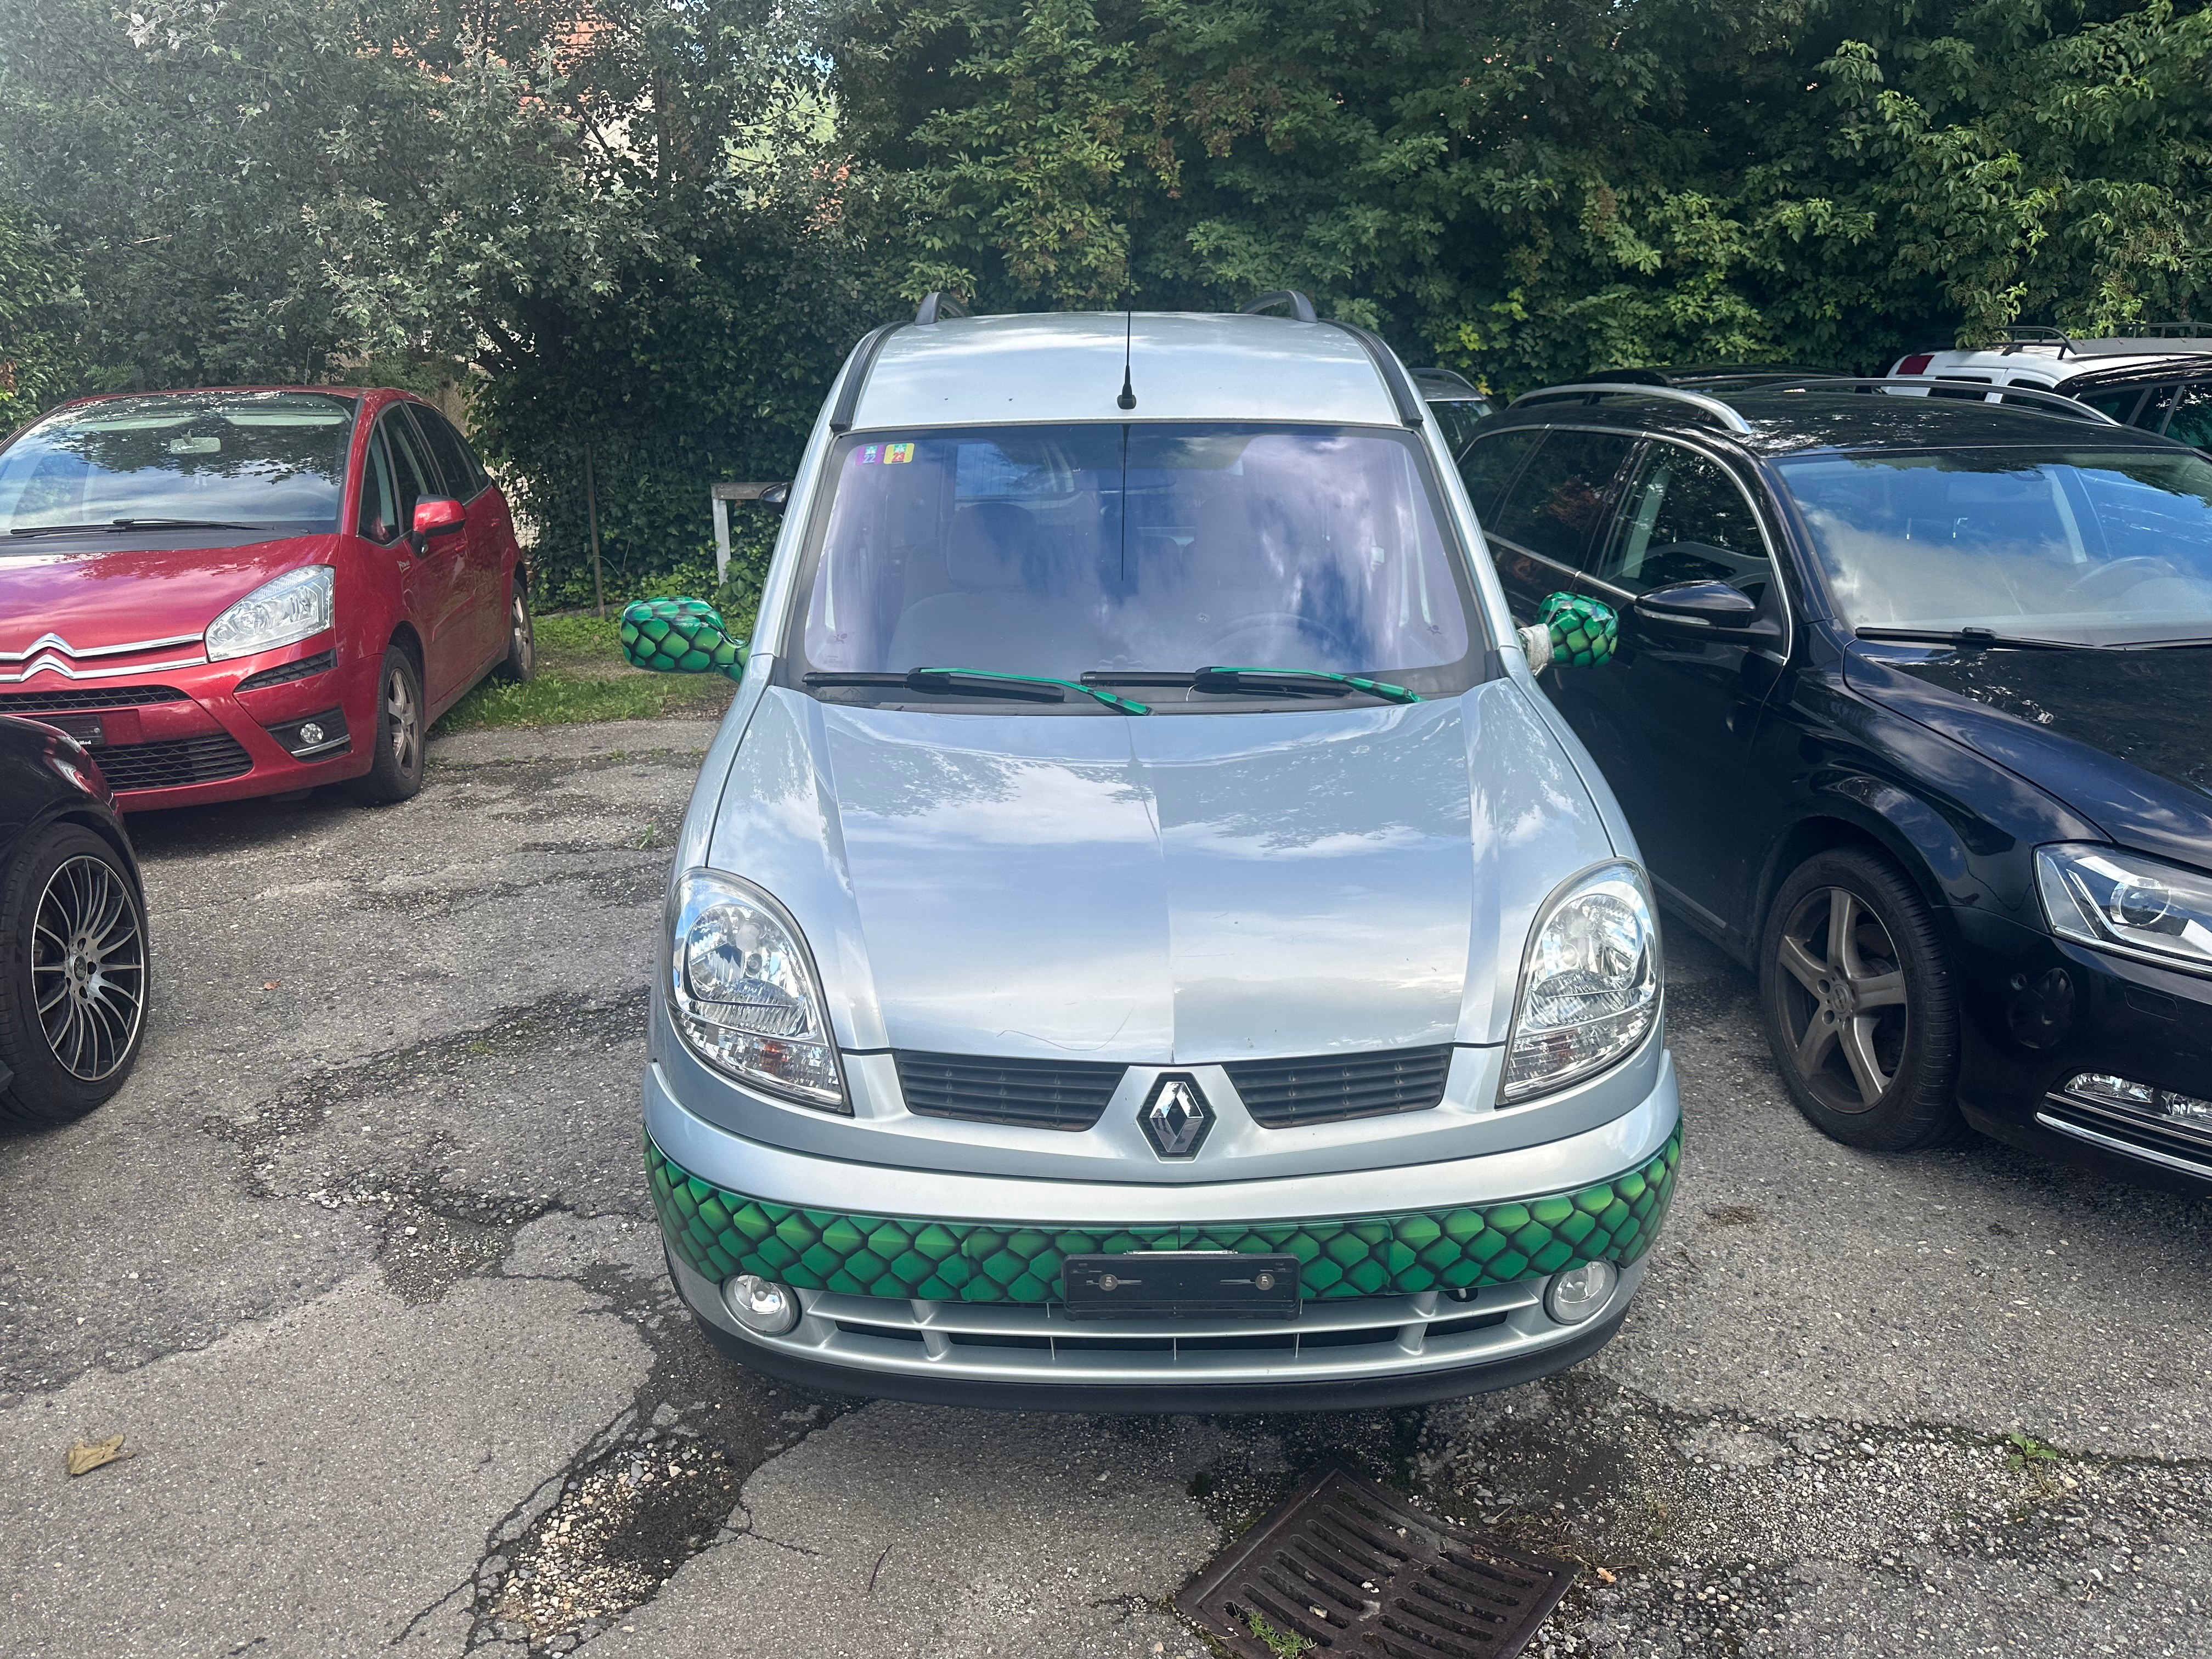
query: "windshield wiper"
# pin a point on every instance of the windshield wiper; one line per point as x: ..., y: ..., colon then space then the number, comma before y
x: 1971, y: 637
x: 983, y: 683
x: 111, y: 526
x: 1259, y: 682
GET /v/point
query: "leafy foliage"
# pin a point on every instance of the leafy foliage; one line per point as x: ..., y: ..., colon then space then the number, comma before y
x: 1533, y: 188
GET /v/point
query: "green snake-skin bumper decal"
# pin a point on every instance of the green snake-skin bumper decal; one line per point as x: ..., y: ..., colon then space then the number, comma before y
x: 1583, y: 630
x: 720, y: 1233
x: 679, y: 637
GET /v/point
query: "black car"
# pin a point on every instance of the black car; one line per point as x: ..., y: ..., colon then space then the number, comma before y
x: 72, y: 931
x: 1912, y: 713
x: 1454, y: 402
x: 2173, y: 399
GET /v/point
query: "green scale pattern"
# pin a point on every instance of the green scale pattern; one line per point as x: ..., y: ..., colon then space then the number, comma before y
x: 679, y: 637
x: 720, y: 1233
x: 1583, y: 630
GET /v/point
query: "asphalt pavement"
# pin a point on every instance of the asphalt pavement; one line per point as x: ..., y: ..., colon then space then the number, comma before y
x: 363, y: 1267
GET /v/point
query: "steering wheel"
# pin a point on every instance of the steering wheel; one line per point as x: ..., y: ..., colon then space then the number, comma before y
x: 1267, y: 627
x: 2108, y: 579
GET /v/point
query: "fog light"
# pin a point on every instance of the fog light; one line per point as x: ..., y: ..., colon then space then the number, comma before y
x: 1576, y: 1293
x: 311, y: 733
x: 760, y: 1304
x: 2141, y: 1099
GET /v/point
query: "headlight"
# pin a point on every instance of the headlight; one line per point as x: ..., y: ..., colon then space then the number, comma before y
x: 745, y: 995
x: 2125, y: 902
x: 1590, y: 989
x: 296, y: 606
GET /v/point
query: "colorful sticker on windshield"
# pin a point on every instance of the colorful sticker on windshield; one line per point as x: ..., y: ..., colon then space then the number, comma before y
x: 890, y: 454
x: 868, y: 454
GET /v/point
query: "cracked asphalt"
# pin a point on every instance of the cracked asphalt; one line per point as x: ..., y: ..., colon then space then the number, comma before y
x: 362, y: 1265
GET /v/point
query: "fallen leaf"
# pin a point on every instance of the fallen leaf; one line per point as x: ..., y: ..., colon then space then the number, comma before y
x: 83, y: 1458
x: 1607, y: 1577
x: 273, y: 985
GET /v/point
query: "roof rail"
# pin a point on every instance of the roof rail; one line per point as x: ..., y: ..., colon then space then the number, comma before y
x: 2019, y: 334
x: 856, y: 377
x: 1300, y: 307
x: 1446, y: 377
x: 1590, y: 392
x: 1962, y: 391
x: 2182, y: 330
x: 1403, y: 393
x: 937, y: 306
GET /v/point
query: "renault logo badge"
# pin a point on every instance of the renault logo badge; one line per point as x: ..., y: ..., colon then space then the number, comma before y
x: 1176, y: 1116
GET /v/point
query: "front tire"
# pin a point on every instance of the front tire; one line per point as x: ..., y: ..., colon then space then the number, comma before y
x: 72, y: 978
x: 520, y: 661
x: 1860, y: 1005
x: 400, y: 748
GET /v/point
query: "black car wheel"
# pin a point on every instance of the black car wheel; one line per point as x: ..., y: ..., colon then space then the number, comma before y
x: 1860, y: 1006
x: 395, y: 773
x: 72, y: 977
x: 521, y: 659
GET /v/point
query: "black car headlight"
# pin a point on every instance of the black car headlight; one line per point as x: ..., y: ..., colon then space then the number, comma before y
x: 2127, y: 903
x: 745, y: 995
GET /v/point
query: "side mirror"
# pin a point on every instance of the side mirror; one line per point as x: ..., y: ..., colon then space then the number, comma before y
x: 1571, y: 631
x: 1705, y: 613
x: 775, y: 497
x: 680, y: 637
x: 439, y: 515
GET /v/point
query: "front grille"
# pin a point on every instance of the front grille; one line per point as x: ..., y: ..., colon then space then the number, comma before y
x: 81, y: 699
x: 1037, y: 1094
x: 307, y: 667
x: 1281, y: 1094
x: 178, y: 761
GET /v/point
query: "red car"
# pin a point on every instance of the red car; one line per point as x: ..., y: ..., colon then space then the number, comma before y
x: 251, y: 591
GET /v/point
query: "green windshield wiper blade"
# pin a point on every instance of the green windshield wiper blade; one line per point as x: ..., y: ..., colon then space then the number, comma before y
x: 1262, y: 682
x: 984, y: 682
x: 1970, y: 637
x: 111, y: 526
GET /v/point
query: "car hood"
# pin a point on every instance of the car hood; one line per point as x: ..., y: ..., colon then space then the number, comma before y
x: 1177, y: 888
x: 97, y: 599
x: 2119, y: 736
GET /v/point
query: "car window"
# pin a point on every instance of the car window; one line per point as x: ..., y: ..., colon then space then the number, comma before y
x: 413, y: 476
x: 2151, y: 417
x: 2120, y: 403
x: 1060, y: 549
x: 1490, y: 464
x: 2192, y: 420
x: 1457, y: 422
x: 451, y: 454
x: 269, y: 461
x: 2093, y: 546
x: 1683, y: 520
x: 1556, y: 501
x: 379, y: 519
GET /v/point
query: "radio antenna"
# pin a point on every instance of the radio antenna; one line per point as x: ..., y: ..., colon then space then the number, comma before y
x: 1129, y: 398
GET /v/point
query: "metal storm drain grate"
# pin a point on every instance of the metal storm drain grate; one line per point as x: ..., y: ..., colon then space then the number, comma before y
x: 1347, y: 1567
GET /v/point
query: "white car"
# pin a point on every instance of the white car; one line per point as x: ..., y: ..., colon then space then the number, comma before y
x: 2046, y: 360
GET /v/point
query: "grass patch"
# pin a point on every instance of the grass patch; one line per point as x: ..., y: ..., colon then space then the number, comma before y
x: 581, y: 677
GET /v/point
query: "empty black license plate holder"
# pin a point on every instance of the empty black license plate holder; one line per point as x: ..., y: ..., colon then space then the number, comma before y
x: 1179, y: 1285
x: 87, y: 729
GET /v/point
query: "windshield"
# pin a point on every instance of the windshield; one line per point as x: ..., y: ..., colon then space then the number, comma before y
x: 272, y: 461
x: 2094, y: 547
x: 1066, y: 549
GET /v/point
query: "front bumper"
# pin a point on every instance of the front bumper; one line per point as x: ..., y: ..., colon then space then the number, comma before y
x: 1438, y: 1293
x: 190, y: 733
x: 2044, y: 1011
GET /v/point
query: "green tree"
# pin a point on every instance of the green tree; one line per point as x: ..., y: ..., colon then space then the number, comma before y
x: 41, y: 312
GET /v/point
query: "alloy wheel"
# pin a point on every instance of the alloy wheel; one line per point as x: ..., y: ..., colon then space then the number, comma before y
x: 87, y: 968
x: 401, y: 719
x: 1843, y: 1002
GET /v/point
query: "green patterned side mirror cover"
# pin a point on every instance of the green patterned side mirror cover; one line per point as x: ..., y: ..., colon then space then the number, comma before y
x: 680, y: 637
x: 1583, y: 629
